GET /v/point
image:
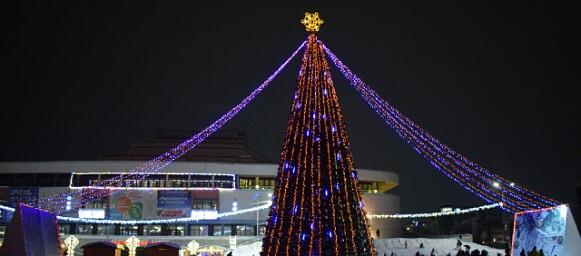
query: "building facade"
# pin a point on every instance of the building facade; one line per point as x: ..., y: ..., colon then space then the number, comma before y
x: 223, y: 184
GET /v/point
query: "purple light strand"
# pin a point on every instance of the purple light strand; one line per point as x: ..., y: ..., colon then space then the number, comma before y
x: 405, y: 128
x: 57, y: 202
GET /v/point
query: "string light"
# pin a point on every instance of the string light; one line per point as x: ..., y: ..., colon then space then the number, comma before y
x: 434, y: 214
x: 318, y: 201
x: 196, y: 218
x: 466, y: 173
x: 57, y: 202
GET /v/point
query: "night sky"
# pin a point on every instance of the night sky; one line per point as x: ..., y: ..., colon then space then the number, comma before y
x: 496, y: 80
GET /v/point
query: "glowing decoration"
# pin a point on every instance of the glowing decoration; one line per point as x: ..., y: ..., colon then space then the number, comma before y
x: 205, y: 214
x: 434, y: 214
x: 312, y: 22
x: 70, y: 243
x: 197, y: 217
x: 193, y: 247
x: 132, y: 243
x: 463, y: 171
x: 57, y: 202
x: 307, y: 216
x: 91, y: 213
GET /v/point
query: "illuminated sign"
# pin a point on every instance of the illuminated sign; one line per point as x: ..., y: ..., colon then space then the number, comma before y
x: 92, y: 214
x: 204, y: 214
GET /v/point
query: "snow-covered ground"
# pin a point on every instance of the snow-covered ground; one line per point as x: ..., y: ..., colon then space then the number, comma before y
x: 443, y: 246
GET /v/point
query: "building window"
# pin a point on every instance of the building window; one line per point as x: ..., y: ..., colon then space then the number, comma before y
x: 205, y: 204
x: 152, y: 230
x: 201, y: 181
x: 365, y: 186
x: 266, y: 182
x: 128, y: 230
x: 223, y: 181
x: 65, y: 229
x: 199, y: 230
x: 244, y: 230
x: 247, y: 182
x: 85, y: 229
x: 105, y: 229
x: 176, y: 230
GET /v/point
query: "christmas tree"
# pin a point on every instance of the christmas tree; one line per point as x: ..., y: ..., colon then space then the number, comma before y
x: 317, y: 207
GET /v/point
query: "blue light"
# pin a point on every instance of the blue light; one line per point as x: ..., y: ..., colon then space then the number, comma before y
x: 338, y: 156
x: 304, y: 236
x: 325, y: 92
x: 326, y: 192
x: 308, y: 133
x: 295, y: 209
x: 330, y: 234
x: 333, y: 128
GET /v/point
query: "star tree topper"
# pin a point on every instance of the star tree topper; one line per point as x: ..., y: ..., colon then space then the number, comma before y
x: 312, y: 21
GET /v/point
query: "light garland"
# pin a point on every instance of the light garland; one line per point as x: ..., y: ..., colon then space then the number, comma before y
x: 317, y: 206
x: 482, y: 182
x: 233, y: 176
x: 434, y: 214
x: 266, y: 205
x: 57, y: 202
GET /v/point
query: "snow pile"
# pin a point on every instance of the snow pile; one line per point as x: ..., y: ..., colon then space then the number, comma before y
x: 443, y: 246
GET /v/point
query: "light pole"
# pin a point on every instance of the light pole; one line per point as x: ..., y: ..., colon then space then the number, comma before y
x: 256, y: 197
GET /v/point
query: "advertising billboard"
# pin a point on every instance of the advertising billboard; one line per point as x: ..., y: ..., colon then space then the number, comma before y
x: 27, y: 195
x: 126, y: 205
x: 174, y: 203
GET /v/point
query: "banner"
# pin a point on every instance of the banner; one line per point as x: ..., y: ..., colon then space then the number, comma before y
x: 538, y: 230
x: 27, y: 195
x: 174, y: 203
x: 126, y: 205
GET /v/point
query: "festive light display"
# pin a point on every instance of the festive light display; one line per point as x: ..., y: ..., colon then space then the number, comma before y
x: 70, y: 243
x: 434, y: 214
x: 57, y: 203
x: 317, y: 207
x: 193, y: 247
x: 312, y: 22
x: 195, y: 218
x: 132, y: 243
x: 474, y: 178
